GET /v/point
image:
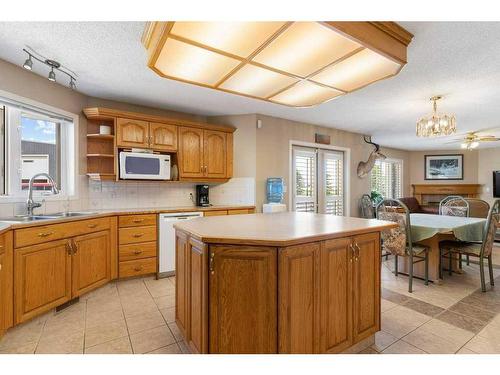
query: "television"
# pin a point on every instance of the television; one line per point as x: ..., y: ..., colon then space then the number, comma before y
x: 496, y: 184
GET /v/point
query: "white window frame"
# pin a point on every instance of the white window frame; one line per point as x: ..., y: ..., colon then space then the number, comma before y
x: 347, y: 171
x: 15, y: 106
x: 394, y: 160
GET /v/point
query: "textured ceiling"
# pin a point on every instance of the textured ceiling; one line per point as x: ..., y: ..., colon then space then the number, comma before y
x: 458, y: 60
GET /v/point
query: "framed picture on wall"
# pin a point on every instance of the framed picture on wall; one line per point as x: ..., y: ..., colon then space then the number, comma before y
x: 444, y: 167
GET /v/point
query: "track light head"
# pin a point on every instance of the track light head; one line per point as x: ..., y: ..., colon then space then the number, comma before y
x: 28, y: 64
x: 52, y: 75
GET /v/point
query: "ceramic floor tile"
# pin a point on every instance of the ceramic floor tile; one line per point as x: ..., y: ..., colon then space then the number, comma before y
x: 431, y: 343
x: 99, y: 317
x: 165, y: 301
x: 101, y: 333
x: 142, y: 322
x: 368, y: 351
x: 387, y: 305
x: 394, y: 297
x: 473, y: 312
x: 23, y: 334
x: 22, y: 349
x: 152, y: 339
x: 486, y: 301
x: 61, y: 343
x: 402, y: 347
x: 483, y: 345
x: 383, y: 340
x: 170, y: 349
x: 423, y: 307
x: 491, y: 331
x: 168, y: 314
x: 466, y: 351
x: 447, y: 331
x: 462, y: 321
x: 400, y: 321
x: 175, y: 331
x: 117, y: 346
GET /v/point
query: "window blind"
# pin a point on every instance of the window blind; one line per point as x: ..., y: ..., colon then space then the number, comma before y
x: 386, y: 178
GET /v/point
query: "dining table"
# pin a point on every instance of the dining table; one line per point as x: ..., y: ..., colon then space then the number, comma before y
x: 429, y: 230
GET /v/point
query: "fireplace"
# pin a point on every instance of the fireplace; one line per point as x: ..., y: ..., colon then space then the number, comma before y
x: 432, y: 194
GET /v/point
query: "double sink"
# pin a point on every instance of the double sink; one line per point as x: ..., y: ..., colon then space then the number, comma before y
x: 57, y: 215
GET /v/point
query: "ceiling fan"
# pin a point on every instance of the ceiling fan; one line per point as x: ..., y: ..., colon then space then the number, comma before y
x: 471, y: 140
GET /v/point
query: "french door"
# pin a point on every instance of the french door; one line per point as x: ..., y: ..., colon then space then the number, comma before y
x: 318, y: 180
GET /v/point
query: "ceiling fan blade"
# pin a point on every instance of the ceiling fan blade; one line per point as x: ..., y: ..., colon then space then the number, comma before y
x: 454, y: 141
x: 488, y: 138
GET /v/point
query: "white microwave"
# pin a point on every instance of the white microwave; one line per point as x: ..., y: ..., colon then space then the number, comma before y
x: 142, y: 166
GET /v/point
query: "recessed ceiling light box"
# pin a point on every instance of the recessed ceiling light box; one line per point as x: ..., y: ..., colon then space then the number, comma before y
x: 298, y: 64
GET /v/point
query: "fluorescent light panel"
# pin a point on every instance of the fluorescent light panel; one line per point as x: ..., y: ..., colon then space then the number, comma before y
x: 273, y: 61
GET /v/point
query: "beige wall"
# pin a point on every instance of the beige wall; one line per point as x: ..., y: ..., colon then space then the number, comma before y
x: 416, y: 167
x: 488, y: 161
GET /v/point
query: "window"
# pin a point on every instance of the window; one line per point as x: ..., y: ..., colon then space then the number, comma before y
x: 318, y: 180
x: 386, y: 178
x: 35, y: 142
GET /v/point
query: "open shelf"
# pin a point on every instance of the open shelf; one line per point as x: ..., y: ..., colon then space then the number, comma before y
x: 101, y: 136
x: 100, y: 155
x: 102, y: 176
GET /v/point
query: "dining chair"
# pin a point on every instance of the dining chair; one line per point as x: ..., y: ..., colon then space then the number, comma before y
x: 366, y: 207
x: 454, y: 205
x: 480, y: 250
x: 478, y: 208
x: 398, y: 242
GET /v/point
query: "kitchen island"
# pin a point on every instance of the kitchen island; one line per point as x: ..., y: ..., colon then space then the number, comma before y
x: 278, y: 283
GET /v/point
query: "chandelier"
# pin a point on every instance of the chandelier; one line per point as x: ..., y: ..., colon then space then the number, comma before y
x: 436, y: 124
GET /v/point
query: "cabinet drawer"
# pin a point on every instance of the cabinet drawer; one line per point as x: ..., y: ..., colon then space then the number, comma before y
x: 137, y: 234
x: 136, y: 220
x: 45, y: 233
x: 215, y: 213
x: 137, y: 251
x: 137, y: 267
x: 237, y: 212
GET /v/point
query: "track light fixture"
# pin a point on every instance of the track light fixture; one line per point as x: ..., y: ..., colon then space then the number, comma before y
x: 54, y: 65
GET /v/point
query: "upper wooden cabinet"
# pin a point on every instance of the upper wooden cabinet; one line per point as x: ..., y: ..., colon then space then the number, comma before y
x: 205, y: 154
x: 132, y: 133
x: 162, y: 137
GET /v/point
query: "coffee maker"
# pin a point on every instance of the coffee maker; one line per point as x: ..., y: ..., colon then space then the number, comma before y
x: 202, y: 196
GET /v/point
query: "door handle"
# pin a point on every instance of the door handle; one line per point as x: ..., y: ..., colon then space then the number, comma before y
x: 212, y: 263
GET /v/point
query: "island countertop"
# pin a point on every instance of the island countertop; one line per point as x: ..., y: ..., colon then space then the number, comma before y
x: 278, y: 229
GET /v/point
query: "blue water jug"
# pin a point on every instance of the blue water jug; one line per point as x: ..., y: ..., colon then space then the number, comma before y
x: 275, y: 190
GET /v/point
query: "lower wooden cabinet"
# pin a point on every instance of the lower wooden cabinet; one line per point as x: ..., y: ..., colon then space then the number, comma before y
x: 42, y: 278
x: 91, y: 267
x: 243, y: 299
x: 183, y: 274
x: 6, y: 282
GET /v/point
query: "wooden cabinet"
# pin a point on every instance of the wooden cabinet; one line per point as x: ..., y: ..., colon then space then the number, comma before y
x: 91, y: 262
x: 6, y: 282
x: 215, y: 154
x: 162, y: 137
x: 336, y: 295
x: 132, y: 133
x: 205, y: 153
x: 182, y: 272
x: 42, y: 278
x: 243, y: 296
x: 143, y: 134
x: 137, y: 238
x: 48, y: 273
x: 198, y: 297
x: 299, y: 286
x: 366, y: 287
x: 191, y: 152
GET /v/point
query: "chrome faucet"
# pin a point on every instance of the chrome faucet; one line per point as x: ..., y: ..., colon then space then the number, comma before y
x: 30, y: 203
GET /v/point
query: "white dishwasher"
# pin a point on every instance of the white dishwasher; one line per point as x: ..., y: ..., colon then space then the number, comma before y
x: 167, y: 240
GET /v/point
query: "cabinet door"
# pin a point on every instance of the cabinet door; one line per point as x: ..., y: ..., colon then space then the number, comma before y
x: 2, y: 293
x: 42, y: 278
x: 366, y: 286
x: 336, y: 295
x: 243, y: 296
x: 198, y: 340
x: 163, y: 137
x: 299, y: 286
x: 6, y: 282
x: 190, y: 156
x: 91, y: 263
x: 182, y: 283
x: 132, y: 133
x: 215, y: 154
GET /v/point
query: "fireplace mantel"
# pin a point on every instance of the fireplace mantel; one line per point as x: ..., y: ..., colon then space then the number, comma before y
x: 429, y: 194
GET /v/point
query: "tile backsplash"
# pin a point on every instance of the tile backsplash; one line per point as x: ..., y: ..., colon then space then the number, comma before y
x: 95, y: 195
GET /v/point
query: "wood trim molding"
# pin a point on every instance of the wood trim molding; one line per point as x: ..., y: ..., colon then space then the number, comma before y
x: 108, y: 113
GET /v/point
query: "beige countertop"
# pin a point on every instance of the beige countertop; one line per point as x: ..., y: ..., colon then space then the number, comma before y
x: 278, y: 229
x: 6, y: 225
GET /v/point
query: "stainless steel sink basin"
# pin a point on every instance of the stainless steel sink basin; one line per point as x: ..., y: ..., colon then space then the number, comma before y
x: 58, y: 215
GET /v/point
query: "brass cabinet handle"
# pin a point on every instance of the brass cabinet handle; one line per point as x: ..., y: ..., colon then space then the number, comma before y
x: 92, y: 225
x: 74, y: 246
x: 137, y: 252
x: 358, y: 249
x: 69, y: 249
x: 212, y: 263
x: 138, y: 269
x: 352, y: 252
x: 45, y: 234
x: 137, y: 235
x: 137, y: 220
